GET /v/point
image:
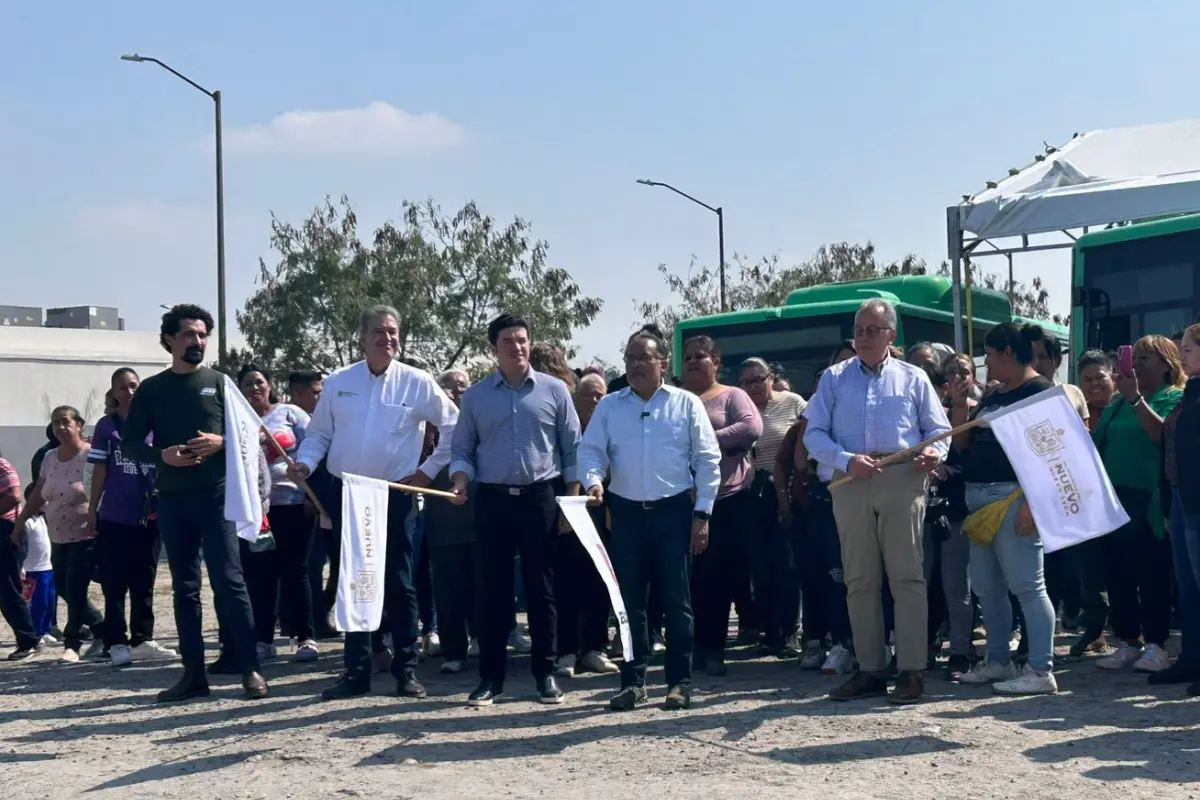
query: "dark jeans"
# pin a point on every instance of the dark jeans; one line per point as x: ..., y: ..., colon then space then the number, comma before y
x: 1062, y: 581
x: 773, y: 564
x: 1093, y: 586
x: 423, y: 575
x: 400, y: 616
x: 653, y: 547
x: 278, y: 579
x: 715, y: 571
x: 1139, y: 570
x: 317, y: 559
x: 581, y: 599
x: 193, y: 523
x: 74, y: 565
x: 820, y: 555
x: 457, y: 577
x: 507, y: 524
x: 12, y: 600
x: 1185, y: 551
x: 128, y: 566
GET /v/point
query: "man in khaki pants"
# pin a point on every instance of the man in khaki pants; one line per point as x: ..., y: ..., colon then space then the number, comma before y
x: 864, y: 410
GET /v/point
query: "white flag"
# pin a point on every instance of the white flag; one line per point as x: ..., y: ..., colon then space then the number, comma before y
x: 1059, y: 469
x: 243, y: 504
x: 364, y: 554
x: 575, y: 510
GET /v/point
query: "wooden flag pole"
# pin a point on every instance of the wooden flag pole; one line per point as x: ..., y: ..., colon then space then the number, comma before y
x: 404, y: 487
x: 903, y: 455
x: 303, y: 483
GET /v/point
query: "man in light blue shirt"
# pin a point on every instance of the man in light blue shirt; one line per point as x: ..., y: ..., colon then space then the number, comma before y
x: 517, y: 439
x: 866, y: 409
x: 657, y: 444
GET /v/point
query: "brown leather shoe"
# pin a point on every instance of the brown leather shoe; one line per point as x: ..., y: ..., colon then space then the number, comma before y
x: 910, y: 685
x: 860, y: 686
x: 254, y: 686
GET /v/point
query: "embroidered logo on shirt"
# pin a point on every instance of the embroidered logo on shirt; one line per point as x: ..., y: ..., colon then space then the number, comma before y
x: 208, y: 391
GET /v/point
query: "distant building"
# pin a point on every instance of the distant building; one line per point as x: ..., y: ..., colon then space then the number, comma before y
x: 41, y: 368
x: 20, y: 316
x: 95, y: 318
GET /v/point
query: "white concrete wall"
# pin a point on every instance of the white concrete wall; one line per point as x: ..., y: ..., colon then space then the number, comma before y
x: 41, y: 368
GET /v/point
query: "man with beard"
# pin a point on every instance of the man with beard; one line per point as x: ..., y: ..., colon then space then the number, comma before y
x: 184, y: 408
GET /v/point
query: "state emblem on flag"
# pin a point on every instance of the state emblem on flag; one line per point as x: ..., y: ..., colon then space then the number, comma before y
x: 364, y: 587
x: 1044, y: 439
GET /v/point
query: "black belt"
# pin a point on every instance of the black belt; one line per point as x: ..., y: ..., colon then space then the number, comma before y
x: 519, y: 491
x: 647, y: 505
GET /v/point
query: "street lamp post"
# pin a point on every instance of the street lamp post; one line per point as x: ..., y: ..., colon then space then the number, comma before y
x: 215, y: 96
x: 720, y: 212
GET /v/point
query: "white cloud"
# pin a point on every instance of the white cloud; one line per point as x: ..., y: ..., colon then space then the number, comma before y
x: 379, y: 129
x: 145, y: 220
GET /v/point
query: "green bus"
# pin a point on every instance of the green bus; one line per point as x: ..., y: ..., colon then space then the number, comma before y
x: 802, y: 334
x: 1134, y: 281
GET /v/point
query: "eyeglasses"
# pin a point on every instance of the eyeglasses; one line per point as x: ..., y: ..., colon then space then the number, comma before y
x: 638, y: 360
x: 756, y: 381
x: 869, y: 332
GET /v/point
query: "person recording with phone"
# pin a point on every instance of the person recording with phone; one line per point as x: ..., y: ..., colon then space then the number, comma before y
x: 1137, y: 555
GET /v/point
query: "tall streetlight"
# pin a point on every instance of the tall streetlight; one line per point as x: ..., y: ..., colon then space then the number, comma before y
x: 720, y: 226
x: 215, y: 96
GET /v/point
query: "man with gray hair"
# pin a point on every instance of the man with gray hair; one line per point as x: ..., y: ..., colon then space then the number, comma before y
x: 866, y: 409
x: 369, y: 422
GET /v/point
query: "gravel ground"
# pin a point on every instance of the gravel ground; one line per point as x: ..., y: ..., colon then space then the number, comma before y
x: 766, y: 729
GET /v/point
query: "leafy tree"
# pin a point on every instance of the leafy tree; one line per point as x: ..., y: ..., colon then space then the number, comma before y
x: 447, y: 276
x: 1031, y: 302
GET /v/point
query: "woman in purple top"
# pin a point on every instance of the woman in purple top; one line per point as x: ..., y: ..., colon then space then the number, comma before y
x: 121, y: 512
x: 716, y: 571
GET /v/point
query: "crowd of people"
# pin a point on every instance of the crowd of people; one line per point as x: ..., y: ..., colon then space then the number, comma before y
x: 791, y: 511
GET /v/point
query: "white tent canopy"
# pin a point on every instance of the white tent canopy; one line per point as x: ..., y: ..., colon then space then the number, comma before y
x: 1097, y: 179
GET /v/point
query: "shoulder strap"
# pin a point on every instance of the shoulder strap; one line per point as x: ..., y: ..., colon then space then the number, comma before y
x: 1101, y: 437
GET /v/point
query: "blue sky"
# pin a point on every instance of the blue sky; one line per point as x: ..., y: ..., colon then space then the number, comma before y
x: 810, y: 123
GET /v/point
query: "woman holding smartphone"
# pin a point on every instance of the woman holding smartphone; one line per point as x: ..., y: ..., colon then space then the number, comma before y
x: 1138, y: 556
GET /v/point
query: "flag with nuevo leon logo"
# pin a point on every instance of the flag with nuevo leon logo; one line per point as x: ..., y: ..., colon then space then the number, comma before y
x: 1059, y: 469
x: 359, y: 604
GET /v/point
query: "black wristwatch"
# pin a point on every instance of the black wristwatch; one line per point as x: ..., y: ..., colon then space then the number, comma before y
x: 703, y: 516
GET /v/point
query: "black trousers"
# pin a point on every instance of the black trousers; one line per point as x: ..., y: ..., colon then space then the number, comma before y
x: 400, y: 613
x: 457, y: 578
x: 279, y: 578
x: 1093, y: 586
x: 74, y: 566
x: 12, y: 600
x: 1139, y: 574
x: 1062, y: 581
x: 773, y: 565
x: 580, y: 596
x: 192, y: 523
x: 653, y: 547
x: 715, y: 571
x: 510, y: 521
x: 128, y: 568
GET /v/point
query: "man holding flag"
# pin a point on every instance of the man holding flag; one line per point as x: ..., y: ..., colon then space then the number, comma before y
x: 369, y: 423
x: 184, y: 408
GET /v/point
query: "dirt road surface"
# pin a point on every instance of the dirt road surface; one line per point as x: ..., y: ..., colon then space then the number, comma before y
x: 764, y: 731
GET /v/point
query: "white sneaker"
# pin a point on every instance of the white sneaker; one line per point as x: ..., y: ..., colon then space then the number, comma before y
x: 265, y: 651
x: 985, y: 672
x: 838, y: 662
x: 599, y: 663
x: 565, y: 668
x: 48, y: 639
x: 1155, y: 659
x: 814, y: 655
x: 657, y: 645
x: 520, y: 642
x: 151, y: 650
x: 432, y: 644
x: 122, y: 656
x: 69, y: 656
x: 307, y: 651
x: 1030, y: 681
x: 452, y: 667
x: 1126, y: 656
x: 473, y: 648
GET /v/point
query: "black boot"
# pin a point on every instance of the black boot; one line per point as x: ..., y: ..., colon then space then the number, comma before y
x: 191, y: 685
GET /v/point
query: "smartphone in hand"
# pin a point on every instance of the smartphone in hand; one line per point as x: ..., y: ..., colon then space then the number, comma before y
x: 1125, y: 359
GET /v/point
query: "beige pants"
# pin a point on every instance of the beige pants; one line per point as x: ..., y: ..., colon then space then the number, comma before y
x: 880, y: 523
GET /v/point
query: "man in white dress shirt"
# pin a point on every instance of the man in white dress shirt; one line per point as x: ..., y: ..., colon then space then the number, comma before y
x: 369, y: 422
x: 658, y: 445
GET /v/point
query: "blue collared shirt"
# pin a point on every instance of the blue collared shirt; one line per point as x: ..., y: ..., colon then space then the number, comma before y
x: 516, y: 435
x: 858, y: 411
x: 654, y: 449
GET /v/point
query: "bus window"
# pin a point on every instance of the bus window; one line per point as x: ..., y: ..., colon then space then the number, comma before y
x: 922, y: 329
